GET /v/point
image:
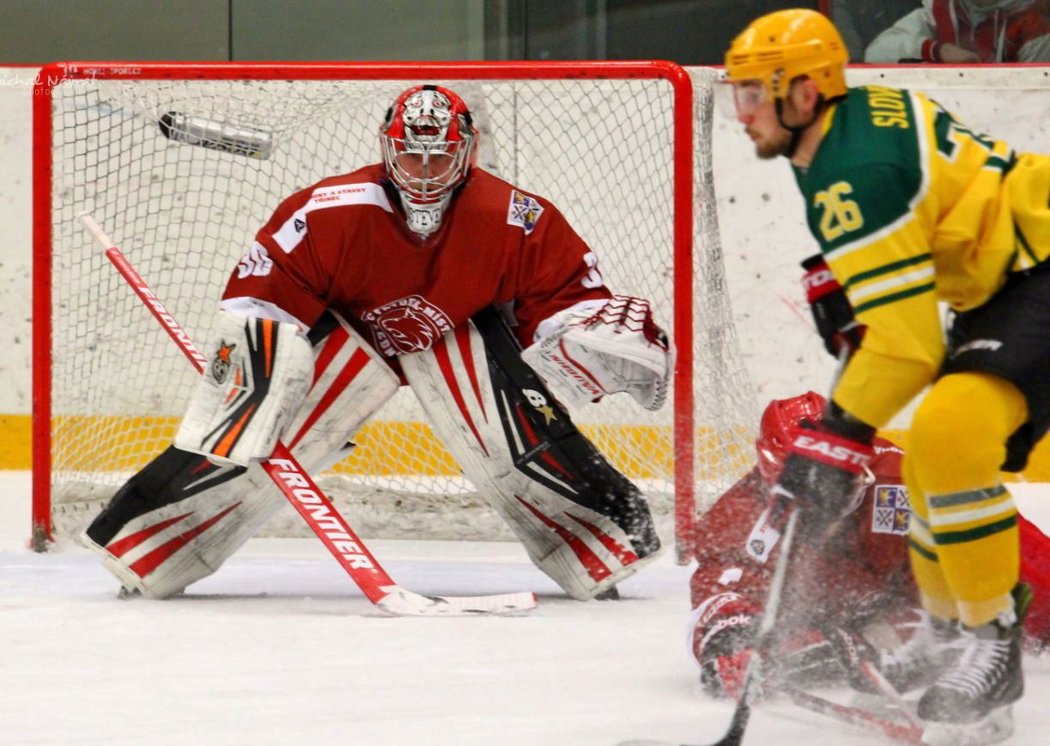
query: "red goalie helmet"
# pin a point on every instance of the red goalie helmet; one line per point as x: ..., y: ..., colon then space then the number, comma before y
x: 429, y: 145
x: 779, y: 420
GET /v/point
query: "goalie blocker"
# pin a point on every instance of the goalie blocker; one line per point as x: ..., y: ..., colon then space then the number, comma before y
x: 582, y: 522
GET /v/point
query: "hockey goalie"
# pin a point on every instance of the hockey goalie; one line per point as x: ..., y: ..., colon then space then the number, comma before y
x: 421, y: 270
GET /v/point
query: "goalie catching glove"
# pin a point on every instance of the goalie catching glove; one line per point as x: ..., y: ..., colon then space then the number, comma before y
x: 591, y: 355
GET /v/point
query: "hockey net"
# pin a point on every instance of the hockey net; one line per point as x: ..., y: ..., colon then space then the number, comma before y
x: 182, y: 164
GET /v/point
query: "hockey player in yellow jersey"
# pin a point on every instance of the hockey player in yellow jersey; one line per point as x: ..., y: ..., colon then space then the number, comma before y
x: 910, y: 208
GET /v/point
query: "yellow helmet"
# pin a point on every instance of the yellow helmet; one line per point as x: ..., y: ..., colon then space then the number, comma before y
x: 780, y: 46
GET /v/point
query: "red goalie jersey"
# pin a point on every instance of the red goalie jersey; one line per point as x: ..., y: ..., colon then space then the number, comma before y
x: 343, y: 244
x: 859, y: 577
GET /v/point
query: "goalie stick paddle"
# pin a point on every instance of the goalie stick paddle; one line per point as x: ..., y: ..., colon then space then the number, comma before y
x: 336, y: 534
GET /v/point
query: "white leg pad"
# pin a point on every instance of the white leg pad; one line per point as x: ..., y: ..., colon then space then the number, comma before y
x: 206, y: 511
x: 488, y: 430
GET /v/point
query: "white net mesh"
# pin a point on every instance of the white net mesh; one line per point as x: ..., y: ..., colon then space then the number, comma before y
x: 600, y: 149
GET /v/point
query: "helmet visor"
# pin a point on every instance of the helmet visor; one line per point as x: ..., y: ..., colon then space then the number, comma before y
x: 740, y: 98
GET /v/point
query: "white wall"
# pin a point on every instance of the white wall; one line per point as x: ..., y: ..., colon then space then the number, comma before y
x: 15, y: 210
x: 760, y: 213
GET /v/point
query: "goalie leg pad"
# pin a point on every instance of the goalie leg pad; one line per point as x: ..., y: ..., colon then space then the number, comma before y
x: 182, y: 516
x: 581, y: 521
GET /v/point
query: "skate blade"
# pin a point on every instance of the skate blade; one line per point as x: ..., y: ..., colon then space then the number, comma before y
x: 997, y: 726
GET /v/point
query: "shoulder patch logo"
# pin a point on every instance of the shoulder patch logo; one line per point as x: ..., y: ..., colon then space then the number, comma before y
x: 524, y: 211
x: 891, y: 510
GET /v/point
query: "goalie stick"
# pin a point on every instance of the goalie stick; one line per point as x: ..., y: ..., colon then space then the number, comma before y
x: 308, y: 500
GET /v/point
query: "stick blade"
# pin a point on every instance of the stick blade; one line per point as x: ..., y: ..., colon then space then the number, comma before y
x: 401, y: 602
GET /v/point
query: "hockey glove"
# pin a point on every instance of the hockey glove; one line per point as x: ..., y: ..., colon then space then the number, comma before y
x: 722, y: 644
x: 618, y: 348
x: 826, y: 469
x: 832, y: 311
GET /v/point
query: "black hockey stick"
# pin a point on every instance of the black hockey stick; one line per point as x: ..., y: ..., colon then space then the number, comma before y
x: 734, y: 735
x: 752, y: 677
x: 899, y: 732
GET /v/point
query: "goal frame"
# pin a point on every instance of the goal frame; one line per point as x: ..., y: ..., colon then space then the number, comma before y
x: 684, y: 165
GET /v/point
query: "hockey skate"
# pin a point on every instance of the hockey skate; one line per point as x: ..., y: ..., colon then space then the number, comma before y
x: 932, y: 649
x: 972, y: 702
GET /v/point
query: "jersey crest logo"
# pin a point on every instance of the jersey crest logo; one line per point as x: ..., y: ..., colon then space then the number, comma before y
x: 891, y: 512
x: 410, y: 324
x: 524, y: 211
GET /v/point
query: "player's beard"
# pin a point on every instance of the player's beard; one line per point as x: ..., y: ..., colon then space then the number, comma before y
x: 777, y: 145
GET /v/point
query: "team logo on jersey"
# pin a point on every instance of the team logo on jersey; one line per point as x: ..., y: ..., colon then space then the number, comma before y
x: 524, y: 211
x: 891, y: 513
x: 763, y: 538
x: 410, y: 324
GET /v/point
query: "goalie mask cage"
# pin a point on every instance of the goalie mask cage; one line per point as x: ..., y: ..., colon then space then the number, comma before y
x: 182, y: 163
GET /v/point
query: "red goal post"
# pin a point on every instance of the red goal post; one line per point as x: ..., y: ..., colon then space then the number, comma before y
x: 622, y: 148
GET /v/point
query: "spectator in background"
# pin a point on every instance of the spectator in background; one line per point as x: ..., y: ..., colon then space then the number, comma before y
x: 966, y: 31
x: 860, y: 21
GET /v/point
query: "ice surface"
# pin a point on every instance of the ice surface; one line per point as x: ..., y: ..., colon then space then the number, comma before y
x: 279, y: 647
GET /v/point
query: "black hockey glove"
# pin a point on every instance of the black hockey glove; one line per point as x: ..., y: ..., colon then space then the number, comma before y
x: 826, y: 468
x: 831, y: 309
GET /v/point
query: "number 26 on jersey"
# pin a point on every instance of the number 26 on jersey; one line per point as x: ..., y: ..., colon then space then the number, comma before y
x: 838, y: 214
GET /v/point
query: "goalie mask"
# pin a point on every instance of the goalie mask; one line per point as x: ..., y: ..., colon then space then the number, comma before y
x: 429, y: 145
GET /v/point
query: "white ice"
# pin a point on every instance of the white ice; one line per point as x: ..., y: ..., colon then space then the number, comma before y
x: 279, y: 647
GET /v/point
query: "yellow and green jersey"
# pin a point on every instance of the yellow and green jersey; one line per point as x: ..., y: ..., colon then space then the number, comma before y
x: 911, y: 207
